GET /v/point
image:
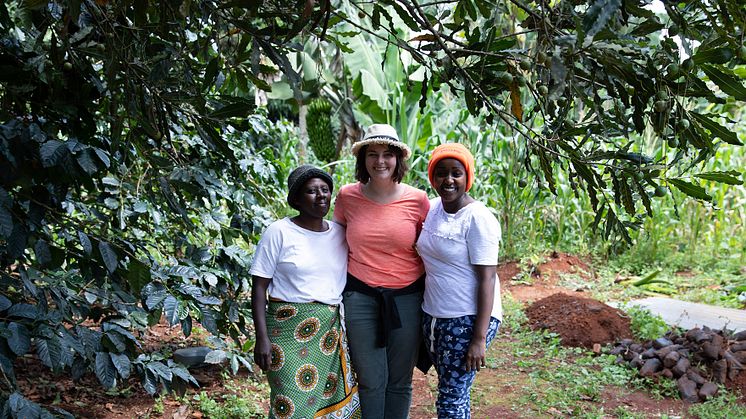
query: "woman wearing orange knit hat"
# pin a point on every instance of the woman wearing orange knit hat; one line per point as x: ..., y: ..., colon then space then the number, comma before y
x: 459, y: 244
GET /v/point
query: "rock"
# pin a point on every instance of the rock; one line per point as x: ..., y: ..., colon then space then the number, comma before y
x: 617, y: 350
x: 719, y: 371
x: 695, y: 376
x: 636, y: 362
x: 649, y: 353
x: 711, y: 351
x: 740, y: 356
x: 740, y: 335
x: 626, y: 342
x: 636, y: 347
x: 666, y: 373
x: 650, y: 367
x: 718, y: 340
x: 708, y: 390
x: 661, y: 343
x: 687, y: 389
x: 596, y: 348
x: 681, y: 367
x: 191, y: 357
x: 629, y: 355
x: 692, y: 334
x: 698, y: 335
x: 663, y: 352
x: 671, y: 359
x: 737, y: 347
x: 734, y: 367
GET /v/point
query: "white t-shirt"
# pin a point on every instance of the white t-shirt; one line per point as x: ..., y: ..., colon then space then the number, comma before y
x: 303, y: 265
x: 450, y: 244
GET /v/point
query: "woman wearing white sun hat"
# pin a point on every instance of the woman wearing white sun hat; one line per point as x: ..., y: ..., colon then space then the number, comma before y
x: 385, y: 279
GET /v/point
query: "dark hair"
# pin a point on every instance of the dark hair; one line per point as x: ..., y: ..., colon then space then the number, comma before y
x: 361, y: 172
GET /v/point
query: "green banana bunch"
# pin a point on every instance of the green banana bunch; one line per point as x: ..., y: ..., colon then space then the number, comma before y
x: 321, y: 136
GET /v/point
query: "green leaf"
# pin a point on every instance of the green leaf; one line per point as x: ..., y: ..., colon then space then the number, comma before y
x: 216, y: 357
x: 690, y: 189
x: 85, y: 242
x: 19, y: 340
x: 105, y: 371
x: 713, y: 56
x: 155, y: 298
x: 171, y: 310
x: 23, y: 310
x: 730, y: 177
x: 122, y: 364
x: 52, y: 152
x: 728, y: 83
x: 49, y: 351
x: 150, y: 382
x: 717, y: 130
x: 86, y: 162
x: 211, y: 72
x: 138, y: 275
x: 108, y: 255
x: 598, y: 15
x: 161, y: 370
x: 6, y: 222
x: 5, y: 303
x: 238, y: 109
x: 404, y: 15
x: 42, y: 252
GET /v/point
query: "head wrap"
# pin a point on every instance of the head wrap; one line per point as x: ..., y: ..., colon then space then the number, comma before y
x: 452, y: 151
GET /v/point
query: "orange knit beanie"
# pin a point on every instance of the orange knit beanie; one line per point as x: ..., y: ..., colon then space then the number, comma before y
x: 452, y: 151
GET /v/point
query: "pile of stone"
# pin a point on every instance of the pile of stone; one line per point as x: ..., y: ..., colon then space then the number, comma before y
x: 698, y: 360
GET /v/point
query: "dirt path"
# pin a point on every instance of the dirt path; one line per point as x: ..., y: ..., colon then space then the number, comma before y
x: 501, y: 389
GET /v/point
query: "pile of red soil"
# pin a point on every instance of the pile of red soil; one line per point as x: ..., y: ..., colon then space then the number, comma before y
x: 580, y: 322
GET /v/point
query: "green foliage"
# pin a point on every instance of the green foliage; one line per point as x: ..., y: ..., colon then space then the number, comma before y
x: 602, y: 76
x: 231, y: 406
x: 724, y: 405
x: 644, y: 324
x: 134, y: 180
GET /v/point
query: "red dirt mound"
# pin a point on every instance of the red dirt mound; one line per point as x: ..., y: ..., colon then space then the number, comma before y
x: 579, y: 321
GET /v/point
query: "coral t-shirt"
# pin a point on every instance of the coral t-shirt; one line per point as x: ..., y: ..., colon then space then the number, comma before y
x: 381, y: 237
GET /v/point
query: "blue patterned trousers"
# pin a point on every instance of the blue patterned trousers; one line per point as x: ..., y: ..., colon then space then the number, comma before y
x: 448, y: 341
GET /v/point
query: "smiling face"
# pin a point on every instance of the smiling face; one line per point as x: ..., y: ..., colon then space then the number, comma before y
x: 312, y: 199
x: 380, y: 162
x: 449, y: 180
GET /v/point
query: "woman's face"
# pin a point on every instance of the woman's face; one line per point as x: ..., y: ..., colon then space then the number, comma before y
x: 449, y: 180
x: 380, y: 162
x: 313, y: 198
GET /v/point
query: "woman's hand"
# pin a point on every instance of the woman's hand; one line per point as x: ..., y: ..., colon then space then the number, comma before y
x: 475, y: 357
x: 263, y: 353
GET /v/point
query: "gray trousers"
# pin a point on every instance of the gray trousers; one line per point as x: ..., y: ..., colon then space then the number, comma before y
x: 384, y: 373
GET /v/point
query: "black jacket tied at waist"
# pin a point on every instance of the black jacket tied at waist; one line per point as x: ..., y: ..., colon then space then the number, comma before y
x: 388, y: 313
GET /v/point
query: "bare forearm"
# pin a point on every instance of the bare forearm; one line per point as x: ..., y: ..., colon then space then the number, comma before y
x: 259, y: 305
x: 485, y: 299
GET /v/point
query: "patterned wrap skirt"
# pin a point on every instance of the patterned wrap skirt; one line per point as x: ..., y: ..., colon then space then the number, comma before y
x: 310, y: 374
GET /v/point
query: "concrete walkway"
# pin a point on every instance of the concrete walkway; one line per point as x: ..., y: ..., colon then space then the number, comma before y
x: 689, y: 315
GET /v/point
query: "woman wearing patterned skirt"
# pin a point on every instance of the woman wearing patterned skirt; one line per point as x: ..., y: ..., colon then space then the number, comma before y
x: 301, y: 264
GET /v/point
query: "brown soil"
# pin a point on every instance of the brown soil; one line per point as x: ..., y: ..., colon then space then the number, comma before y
x: 738, y: 385
x: 86, y: 398
x: 580, y: 322
x: 544, y: 277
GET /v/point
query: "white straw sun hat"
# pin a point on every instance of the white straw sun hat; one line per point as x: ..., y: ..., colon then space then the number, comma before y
x: 382, y: 134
